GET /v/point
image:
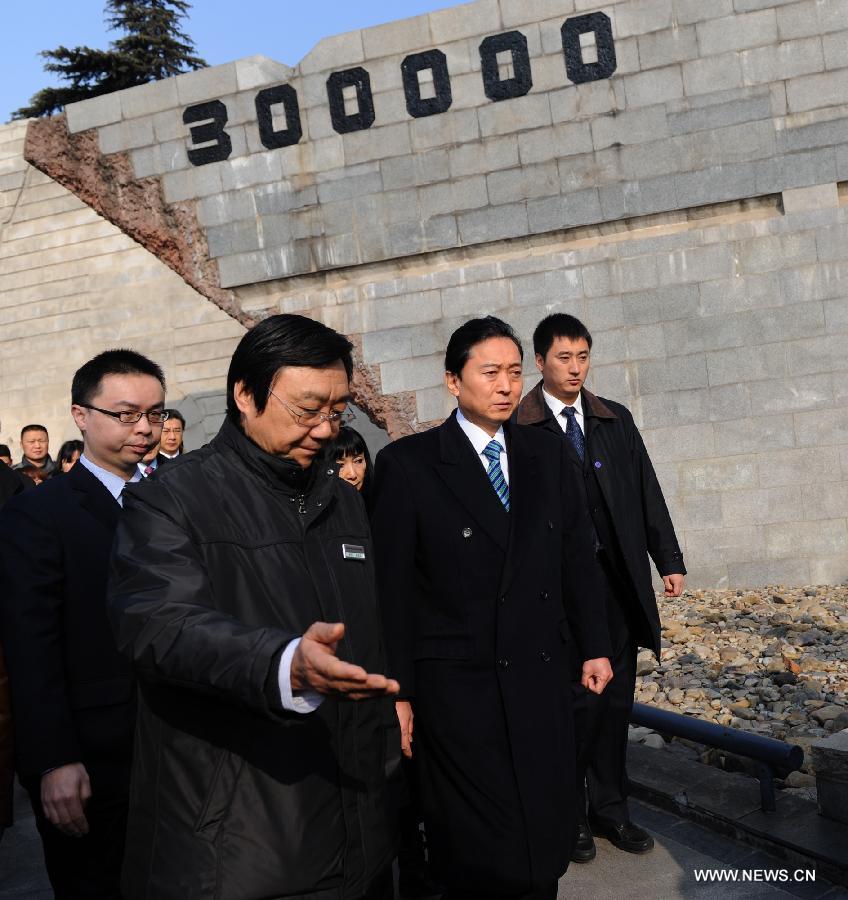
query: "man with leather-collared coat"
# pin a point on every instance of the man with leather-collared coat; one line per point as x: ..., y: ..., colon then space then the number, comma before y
x: 631, y: 522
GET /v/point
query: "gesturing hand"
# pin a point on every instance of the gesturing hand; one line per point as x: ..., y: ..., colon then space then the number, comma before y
x: 64, y: 793
x: 597, y: 674
x: 405, y: 717
x: 316, y: 667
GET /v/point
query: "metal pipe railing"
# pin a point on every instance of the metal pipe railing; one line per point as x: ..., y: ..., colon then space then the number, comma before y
x: 773, y: 755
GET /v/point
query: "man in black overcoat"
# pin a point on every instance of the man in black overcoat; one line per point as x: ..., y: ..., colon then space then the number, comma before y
x: 72, y: 693
x: 630, y: 521
x: 485, y: 574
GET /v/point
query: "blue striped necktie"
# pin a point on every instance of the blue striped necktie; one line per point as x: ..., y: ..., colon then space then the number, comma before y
x: 573, y: 431
x: 492, y: 452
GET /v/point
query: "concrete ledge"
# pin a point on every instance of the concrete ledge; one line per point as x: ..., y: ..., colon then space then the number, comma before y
x: 830, y: 762
x: 729, y: 804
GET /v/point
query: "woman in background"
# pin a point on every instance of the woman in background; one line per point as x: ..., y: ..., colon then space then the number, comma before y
x: 69, y: 453
x: 351, y: 455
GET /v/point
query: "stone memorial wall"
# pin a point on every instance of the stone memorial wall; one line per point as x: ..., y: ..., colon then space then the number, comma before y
x: 671, y: 171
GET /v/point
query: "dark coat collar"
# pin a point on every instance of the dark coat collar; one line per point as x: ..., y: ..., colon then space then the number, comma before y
x: 533, y: 410
x: 280, y: 474
x: 461, y: 470
x: 464, y: 475
x: 93, y: 496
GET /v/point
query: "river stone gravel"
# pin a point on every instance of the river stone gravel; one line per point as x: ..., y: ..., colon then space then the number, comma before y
x: 773, y: 661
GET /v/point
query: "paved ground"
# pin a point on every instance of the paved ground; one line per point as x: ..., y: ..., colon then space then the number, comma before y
x: 667, y: 873
x: 22, y: 873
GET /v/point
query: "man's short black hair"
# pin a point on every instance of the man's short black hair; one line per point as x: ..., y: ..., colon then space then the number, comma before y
x: 558, y: 325
x: 5, y: 451
x: 88, y: 377
x: 32, y: 427
x: 474, y: 332
x: 278, y: 342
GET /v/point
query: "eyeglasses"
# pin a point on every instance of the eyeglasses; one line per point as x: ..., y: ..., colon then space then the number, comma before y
x: 125, y: 417
x: 309, y: 418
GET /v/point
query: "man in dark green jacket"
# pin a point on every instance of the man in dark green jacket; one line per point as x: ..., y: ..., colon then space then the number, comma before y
x: 631, y: 522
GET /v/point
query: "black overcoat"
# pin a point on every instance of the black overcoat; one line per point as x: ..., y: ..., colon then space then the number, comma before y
x: 475, y: 607
x: 215, y: 570
x: 634, y: 498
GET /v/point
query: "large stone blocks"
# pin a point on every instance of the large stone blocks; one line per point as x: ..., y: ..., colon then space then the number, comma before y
x: 684, y: 202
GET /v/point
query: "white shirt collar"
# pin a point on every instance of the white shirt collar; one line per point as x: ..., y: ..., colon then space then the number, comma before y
x: 112, y: 482
x: 556, y: 406
x: 479, y: 438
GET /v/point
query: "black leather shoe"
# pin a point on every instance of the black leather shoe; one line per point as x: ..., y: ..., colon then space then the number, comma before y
x: 584, y: 849
x: 626, y: 836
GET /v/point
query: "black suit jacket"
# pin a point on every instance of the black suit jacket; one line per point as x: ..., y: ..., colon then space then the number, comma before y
x: 12, y: 483
x: 72, y: 693
x: 476, y: 605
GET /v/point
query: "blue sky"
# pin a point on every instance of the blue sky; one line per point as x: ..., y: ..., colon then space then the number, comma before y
x: 222, y: 31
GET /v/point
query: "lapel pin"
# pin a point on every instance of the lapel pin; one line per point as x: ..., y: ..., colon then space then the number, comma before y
x: 467, y: 532
x: 353, y: 551
x: 597, y: 464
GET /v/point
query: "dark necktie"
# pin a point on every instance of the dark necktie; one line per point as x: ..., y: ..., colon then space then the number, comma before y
x: 573, y: 432
x: 492, y: 452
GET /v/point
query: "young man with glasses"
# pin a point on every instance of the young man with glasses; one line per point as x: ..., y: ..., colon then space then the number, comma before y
x: 243, y: 592
x: 73, y: 693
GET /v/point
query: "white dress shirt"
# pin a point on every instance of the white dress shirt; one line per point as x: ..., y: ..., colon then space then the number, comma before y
x: 112, y: 482
x: 480, y: 440
x: 556, y: 407
x: 306, y: 701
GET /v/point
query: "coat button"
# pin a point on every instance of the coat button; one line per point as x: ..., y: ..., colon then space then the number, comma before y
x: 550, y: 525
x: 546, y: 657
x: 544, y: 595
x: 502, y: 601
x: 503, y: 662
x: 467, y: 532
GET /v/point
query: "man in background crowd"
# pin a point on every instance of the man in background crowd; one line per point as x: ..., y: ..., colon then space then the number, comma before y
x: 11, y: 483
x: 630, y: 520
x: 5, y: 454
x: 35, y: 444
x: 73, y: 694
x: 171, y: 445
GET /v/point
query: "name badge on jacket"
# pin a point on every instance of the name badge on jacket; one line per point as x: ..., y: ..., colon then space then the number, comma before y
x: 353, y: 551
